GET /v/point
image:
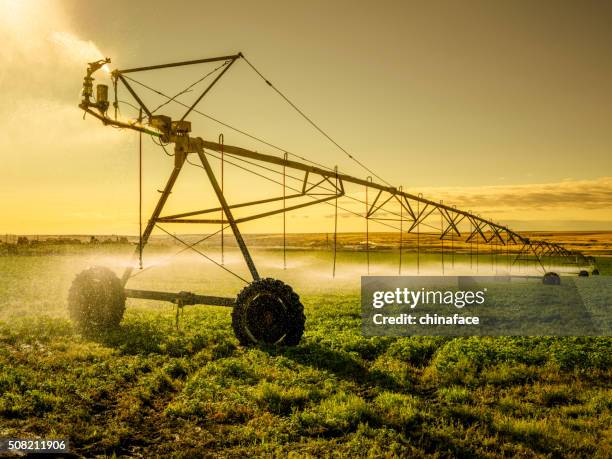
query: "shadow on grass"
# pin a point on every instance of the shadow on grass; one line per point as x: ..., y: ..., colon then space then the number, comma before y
x: 340, y: 364
x: 142, y: 338
x: 439, y: 444
x: 133, y: 338
x: 531, y: 439
x: 347, y: 367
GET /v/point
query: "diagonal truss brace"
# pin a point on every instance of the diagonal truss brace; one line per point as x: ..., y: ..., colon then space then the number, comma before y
x: 306, y: 192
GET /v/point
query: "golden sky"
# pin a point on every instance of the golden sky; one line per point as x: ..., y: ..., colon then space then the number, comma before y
x: 500, y: 107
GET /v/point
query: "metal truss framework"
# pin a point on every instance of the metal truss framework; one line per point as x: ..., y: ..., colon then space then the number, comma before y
x: 318, y: 184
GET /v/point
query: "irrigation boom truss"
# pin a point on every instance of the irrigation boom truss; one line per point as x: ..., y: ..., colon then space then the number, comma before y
x: 317, y: 183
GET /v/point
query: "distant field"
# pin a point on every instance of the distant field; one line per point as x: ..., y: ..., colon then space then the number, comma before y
x: 590, y: 242
x: 148, y: 389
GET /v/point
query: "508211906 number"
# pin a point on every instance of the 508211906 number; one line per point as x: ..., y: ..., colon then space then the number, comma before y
x: 33, y: 446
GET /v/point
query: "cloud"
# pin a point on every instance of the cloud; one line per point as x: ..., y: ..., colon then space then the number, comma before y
x: 565, y: 205
x: 43, y: 63
x: 34, y: 63
x: 574, y: 194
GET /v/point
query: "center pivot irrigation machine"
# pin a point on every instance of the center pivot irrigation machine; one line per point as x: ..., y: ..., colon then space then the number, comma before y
x: 267, y: 310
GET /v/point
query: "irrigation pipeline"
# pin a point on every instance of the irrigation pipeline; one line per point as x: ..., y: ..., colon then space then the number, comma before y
x: 450, y: 217
x: 478, y: 223
x: 170, y: 99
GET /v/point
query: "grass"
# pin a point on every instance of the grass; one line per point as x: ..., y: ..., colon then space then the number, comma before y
x: 148, y: 389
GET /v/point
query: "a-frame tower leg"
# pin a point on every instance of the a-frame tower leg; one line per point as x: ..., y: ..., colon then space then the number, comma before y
x: 228, y: 214
x: 179, y: 161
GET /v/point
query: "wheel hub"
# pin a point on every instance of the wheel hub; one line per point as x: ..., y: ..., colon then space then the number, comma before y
x: 266, y: 318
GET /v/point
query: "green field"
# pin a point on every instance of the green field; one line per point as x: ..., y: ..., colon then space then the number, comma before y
x: 149, y: 389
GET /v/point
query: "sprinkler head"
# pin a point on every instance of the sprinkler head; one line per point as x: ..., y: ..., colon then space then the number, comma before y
x: 101, y: 90
x: 102, y: 98
x: 97, y: 65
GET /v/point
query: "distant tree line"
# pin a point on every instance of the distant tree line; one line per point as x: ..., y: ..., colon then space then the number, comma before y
x: 27, y: 241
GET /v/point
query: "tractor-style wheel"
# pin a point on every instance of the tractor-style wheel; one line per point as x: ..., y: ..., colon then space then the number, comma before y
x: 96, y: 300
x: 268, y: 311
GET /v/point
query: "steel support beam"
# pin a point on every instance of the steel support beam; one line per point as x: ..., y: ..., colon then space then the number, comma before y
x: 228, y: 214
x: 134, y: 95
x: 180, y: 64
x: 179, y: 161
x: 209, y: 88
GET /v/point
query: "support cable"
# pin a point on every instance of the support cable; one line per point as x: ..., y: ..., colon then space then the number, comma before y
x: 188, y: 88
x: 115, y: 101
x: 335, y: 223
x: 508, y: 253
x: 290, y: 188
x: 367, y: 218
x: 419, y: 235
x: 313, y: 123
x: 224, y: 124
x: 221, y: 141
x: 401, y: 234
x: 442, y: 238
x: 471, y: 243
x: 477, y: 239
x: 494, y: 248
x: 300, y: 180
x: 140, y: 247
x: 184, y: 249
x: 284, y: 216
x: 204, y: 255
x: 453, y: 245
x: 293, y: 189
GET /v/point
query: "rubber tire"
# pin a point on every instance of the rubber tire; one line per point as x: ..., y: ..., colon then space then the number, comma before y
x: 96, y: 300
x: 551, y: 279
x: 583, y: 273
x: 293, y: 309
x: 595, y: 272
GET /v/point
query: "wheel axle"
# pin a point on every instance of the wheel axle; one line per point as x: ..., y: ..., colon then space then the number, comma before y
x: 185, y: 298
